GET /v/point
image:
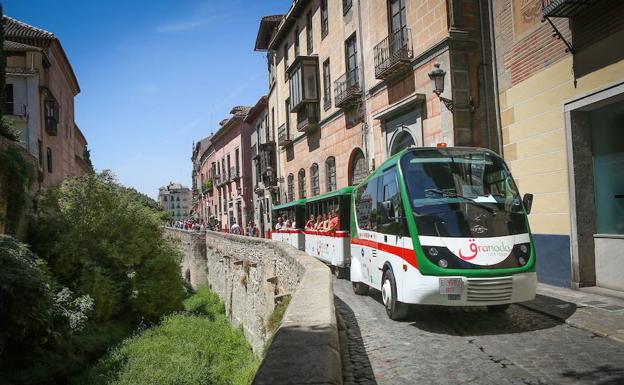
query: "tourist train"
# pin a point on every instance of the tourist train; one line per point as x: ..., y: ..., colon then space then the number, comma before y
x: 436, y: 225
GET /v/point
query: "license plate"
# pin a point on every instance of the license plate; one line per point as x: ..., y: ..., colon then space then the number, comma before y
x: 451, y: 285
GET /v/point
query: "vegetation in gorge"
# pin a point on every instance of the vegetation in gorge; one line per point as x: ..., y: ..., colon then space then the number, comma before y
x: 197, y: 346
x: 15, y: 176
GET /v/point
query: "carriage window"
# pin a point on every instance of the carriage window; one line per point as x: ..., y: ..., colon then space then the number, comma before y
x: 366, y: 205
x: 389, y: 205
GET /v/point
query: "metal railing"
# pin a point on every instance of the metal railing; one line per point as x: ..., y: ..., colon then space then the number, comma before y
x: 392, y: 52
x: 234, y: 173
x: 563, y: 8
x: 347, y: 87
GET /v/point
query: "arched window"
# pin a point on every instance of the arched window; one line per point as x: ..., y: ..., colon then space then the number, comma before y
x: 291, y: 187
x: 302, y: 185
x: 314, y: 180
x: 403, y: 140
x: 330, y: 170
x: 357, y: 167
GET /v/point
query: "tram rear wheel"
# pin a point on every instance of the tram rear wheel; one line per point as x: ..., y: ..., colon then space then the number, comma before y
x: 396, y: 310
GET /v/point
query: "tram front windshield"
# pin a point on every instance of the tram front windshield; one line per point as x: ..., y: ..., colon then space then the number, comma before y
x: 462, y: 193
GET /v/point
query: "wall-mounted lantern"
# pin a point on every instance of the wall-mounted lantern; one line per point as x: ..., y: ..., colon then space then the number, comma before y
x: 437, y: 75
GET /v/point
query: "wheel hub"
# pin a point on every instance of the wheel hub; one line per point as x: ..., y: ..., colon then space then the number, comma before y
x: 386, y: 293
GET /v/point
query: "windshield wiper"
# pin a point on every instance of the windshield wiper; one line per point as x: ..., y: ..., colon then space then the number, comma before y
x: 451, y: 194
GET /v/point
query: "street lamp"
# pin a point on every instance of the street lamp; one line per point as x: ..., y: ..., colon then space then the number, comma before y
x: 437, y: 75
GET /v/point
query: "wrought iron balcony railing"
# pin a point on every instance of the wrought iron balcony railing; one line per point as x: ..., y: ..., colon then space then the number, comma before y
x: 283, y: 135
x: 564, y: 8
x: 393, y: 52
x: 347, y: 88
x: 234, y: 173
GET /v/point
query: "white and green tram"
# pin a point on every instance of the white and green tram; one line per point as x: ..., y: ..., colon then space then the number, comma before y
x: 438, y: 226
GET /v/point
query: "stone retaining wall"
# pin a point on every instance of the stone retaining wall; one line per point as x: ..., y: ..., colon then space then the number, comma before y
x: 251, y: 275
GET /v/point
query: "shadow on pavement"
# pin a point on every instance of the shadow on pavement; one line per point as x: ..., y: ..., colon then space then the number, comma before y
x: 602, y: 375
x: 358, y: 369
x: 478, y: 321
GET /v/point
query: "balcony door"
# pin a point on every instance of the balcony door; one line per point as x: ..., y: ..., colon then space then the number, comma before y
x: 397, y: 24
x: 351, y: 61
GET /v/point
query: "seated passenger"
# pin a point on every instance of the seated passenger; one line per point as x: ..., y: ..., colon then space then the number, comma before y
x: 310, y: 223
x: 293, y: 224
x: 279, y: 224
x: 334, y: 221
x: 319, y: 221
x: 287, y: 223
x: 325, y: 224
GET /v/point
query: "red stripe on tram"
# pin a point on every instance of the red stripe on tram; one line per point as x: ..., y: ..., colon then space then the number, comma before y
x: 407, y: 255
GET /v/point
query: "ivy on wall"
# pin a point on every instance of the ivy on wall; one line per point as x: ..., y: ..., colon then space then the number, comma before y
x: 15, y: 176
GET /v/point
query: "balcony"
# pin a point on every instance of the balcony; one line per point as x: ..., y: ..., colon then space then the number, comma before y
x: 393, y: 53
x: 347, y: 89
x: 308, y: 117
x: 564, y: 8
x: 207, y: 186
x: 283, y: 135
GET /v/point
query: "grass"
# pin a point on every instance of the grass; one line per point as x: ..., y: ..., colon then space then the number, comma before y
x: 198, y: 346
x: 276, y: 316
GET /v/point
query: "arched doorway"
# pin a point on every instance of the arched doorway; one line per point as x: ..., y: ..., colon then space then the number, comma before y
x: 358, y: 169
x: 402, y: 140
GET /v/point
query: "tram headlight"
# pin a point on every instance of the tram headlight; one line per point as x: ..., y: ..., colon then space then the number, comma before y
x: 442, y: 263
x: 524, y: 249
x: 522, y: 260
x: 433, y: 252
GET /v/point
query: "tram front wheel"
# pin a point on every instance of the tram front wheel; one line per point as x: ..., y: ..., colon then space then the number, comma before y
x: 396, y: 310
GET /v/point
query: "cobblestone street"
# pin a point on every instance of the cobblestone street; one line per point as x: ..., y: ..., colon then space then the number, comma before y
x: 469, y: 346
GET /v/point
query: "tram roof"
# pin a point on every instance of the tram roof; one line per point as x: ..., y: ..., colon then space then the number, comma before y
x: 299, y: 202
x: 331, y: 194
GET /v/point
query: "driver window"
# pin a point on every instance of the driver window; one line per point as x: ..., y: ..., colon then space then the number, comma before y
x: 389, y: 205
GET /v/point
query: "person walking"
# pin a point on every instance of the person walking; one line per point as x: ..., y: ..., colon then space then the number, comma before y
x: 235, y: 229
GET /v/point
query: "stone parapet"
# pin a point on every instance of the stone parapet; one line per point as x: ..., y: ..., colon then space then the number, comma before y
x: 251, y: 275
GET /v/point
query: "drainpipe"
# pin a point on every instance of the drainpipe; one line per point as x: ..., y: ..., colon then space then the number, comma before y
x: 365, y: 125
x: 486, y: 83
x: 495, y: 77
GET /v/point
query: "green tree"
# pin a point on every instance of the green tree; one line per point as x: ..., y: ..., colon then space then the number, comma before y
x: 100, y: 239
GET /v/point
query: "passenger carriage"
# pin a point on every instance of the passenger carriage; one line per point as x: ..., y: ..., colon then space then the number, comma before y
x: 332, y: 247
x: 294, y: 236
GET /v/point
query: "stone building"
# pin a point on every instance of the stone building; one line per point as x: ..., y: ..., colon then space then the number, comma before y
x: 561, y: 89
x: 264, y: 165
x: 222, y: 173
x: 349, y: 85
x: 175, y: 199
x: 40, y: 90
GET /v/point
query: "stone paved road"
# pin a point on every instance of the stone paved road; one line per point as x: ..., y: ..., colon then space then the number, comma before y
x: 437, y: 345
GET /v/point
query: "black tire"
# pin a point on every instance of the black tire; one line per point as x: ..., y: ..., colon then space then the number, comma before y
x: 498, y: 308
x: 396, y: 310
x: 360, y: 288
x: 340, y: 272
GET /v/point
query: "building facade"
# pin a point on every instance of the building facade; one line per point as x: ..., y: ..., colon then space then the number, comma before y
x: 224, y: 173
x: 264, y: 165
x: 40, y: 91
x: 561, y: 89
x: 349, y: 85
x: 176, y: 200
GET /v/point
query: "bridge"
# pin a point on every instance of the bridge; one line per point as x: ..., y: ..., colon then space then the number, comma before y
x: 329, y: 335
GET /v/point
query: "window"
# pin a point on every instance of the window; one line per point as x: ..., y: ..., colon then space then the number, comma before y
x: 309, y: 36
x: 291, y: 187
x: 8, y: 101
x: 287, y: 112
x: 303, y: 82
x: 314, y: 179
x: 296, y: 41
x: 326, y: 85
x: 366, y: 205
x: 359, y: 169
x: 237, y: 154
x: 49, y: 159
x: 330, y: 167
x: 286, y: 60
x: 302, y: 184
x: 40, y: 152
x: 324, y: 19
x: 389, y: 206
x: 396, y: 14
x: 346, y: 6
x: 351, y: 60
x: 229, y: 167
x: 51, y: 117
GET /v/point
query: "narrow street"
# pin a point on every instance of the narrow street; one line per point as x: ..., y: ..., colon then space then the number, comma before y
x: 469, y: 346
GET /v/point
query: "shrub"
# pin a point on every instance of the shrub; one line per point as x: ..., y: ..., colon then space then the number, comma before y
x: 205, y: 302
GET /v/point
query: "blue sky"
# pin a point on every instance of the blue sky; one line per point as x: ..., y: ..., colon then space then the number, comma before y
x: 155, y: 75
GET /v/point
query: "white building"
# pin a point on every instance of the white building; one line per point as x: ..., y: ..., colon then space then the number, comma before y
x: 176, y: 199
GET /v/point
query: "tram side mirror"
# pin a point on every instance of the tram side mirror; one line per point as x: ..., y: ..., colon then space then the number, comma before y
x: 527, y: 201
